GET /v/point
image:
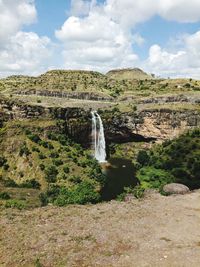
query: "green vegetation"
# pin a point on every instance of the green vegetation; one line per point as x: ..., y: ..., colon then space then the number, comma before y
x: 4, y: 195
x: 173, y: 161
x: 34, y: 158
x: 15, y: 203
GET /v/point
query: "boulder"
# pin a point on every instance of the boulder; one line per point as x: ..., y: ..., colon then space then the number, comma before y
x: 175, y: 188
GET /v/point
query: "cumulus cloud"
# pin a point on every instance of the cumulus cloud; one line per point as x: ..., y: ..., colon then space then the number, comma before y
x: 95, y: 41
x: 20, y: 52
x: 102, y: 35
x: 184, y: 62
x: 25, y: 53
x: 129, y: 12
x: 80, y: 7
x: 14, y: 14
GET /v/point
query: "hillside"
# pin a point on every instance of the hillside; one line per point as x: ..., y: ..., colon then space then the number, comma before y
x: 129, y: 74
x: 47, y: 170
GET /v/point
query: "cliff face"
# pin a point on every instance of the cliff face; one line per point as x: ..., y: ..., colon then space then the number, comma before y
x: 164, y: 123
x: 119, y: 127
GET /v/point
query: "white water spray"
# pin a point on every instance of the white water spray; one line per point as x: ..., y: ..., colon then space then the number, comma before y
x: 98, y: 137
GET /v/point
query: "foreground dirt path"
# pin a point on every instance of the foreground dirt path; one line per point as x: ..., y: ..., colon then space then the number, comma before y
x: 155, y: 231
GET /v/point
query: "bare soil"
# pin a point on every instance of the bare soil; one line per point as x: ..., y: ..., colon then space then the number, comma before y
x: 155, y: 231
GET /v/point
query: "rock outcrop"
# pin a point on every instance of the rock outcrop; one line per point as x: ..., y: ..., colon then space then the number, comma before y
x: 146, y: 125
x: 175, y: 188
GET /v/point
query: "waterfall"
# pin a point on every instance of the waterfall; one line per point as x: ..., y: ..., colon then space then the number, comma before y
x: 98, y: 138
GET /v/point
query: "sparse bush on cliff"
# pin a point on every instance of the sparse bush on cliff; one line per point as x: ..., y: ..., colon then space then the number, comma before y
x: 4, y: 195
x: 34, y: 138
x: 30, y: 184
x: 51, y: 173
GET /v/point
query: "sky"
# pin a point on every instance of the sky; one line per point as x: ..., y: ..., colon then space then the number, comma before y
x: 158, y: 36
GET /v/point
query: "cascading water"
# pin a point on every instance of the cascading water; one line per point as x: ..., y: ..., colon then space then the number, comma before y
x: 98, y: 137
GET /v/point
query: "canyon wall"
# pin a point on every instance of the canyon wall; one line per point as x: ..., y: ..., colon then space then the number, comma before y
x: 149, y: 124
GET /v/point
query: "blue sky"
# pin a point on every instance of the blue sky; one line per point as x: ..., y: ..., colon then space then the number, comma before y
x: 161, y: 37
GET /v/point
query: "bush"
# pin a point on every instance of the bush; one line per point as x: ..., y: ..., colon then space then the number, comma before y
x: 52, y: 136
x: 30, y: 184
x: 24, y: 150
x: 51, y: 174
x: 136, y: 191
x: 4, y: 195
x: 180, y: 158
x: 75, y: 179
x: 14, y: 203
x: 151, y: 177
x: 6, y: 167
x: 66, y: 169
x: 41, y: 156
x: 43, y: 199
x: 34, y: 138
x: 44, y: 143
x: 3, y: 161
x: 54, y: 155
x: 57, y: 162
x: 80, y: 194
x: 42, y: 167
x: 50, y: 146
x: 10, y: 183
x: 143, y: 157
x: 35, y: 149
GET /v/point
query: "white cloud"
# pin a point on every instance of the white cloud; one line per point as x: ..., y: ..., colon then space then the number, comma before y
x: 25, y: 53
x: 80, y: 7
x: 101, y: 35
x: 20, y: 52
x: 129, y: 12
x: 13, y: 14
x: 184, y: 62
x: 95, y: 42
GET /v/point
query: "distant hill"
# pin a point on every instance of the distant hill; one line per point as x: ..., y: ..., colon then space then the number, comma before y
x: 128, y: 74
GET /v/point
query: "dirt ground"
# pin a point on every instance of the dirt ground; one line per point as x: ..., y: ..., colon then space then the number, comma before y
x: 155, y: 231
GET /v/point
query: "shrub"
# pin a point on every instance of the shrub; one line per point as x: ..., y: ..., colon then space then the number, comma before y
x: 43, y: 143
x: 136, y: 191
x: 14, y: 203
x: 3, y: 161
x: 51, y: 173
x: 54, y: 155
x: 52, y: 136
x: 57, y: 162
x: 21, y: 174
x: 34, y: 138
x: 10, y: 183
x: 4, y: 195
x: 151, y: 177
x: 80, y: 194
x: 24, y: 150
x: 180, y: 158
x: 30, y: 184
x: 75, y: 179
x: 42, y: 167
x: 41, y: 156
x: 35, y: 149
x: 66, y: 169
x: 143, y: 157
x: 43, y: 199
x: 50, y: 146
x: 6, y: 167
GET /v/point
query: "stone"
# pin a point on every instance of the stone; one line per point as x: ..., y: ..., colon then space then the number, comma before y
x: 129, y: 198
x: 175, y: 188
